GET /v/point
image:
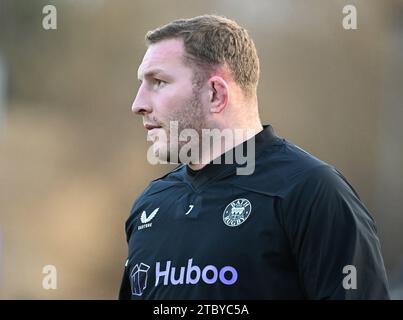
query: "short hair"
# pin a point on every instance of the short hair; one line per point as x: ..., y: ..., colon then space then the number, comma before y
x: 211, y: 41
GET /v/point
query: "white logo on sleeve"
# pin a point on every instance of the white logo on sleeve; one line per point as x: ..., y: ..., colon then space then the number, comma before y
x: 145, y: 220
x: 237, y: 212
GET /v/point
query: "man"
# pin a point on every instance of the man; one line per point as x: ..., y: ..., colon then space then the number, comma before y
x: 292, y: 227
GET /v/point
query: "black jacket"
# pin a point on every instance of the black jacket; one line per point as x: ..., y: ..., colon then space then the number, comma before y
x: 294, y: 229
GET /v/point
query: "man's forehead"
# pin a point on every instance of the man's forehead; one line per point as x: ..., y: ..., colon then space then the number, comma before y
x: 162, y: 54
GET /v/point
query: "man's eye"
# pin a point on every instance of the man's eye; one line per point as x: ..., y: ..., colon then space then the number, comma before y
x: 158, y: 83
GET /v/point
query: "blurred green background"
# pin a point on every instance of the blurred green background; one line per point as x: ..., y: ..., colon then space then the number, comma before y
x: 73, y: 156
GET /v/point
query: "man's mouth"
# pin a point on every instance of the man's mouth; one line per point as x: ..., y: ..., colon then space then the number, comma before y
x: 150, y: 127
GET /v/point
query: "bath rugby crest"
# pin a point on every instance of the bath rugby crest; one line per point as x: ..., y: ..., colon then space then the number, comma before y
x: 237, y: 212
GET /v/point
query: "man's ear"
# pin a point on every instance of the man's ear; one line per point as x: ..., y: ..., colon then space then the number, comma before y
x: 218, y: 94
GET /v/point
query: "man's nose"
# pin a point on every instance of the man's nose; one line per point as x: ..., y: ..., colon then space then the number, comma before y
x: 141, y: 105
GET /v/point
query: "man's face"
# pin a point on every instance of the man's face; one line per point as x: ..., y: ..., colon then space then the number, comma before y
x: 167, y: 94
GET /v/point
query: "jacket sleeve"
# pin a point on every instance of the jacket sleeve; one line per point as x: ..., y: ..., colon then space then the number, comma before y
x: 333, y: 239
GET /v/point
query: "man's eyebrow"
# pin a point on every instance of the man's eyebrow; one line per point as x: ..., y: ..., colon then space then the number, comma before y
x: 150, y: 73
